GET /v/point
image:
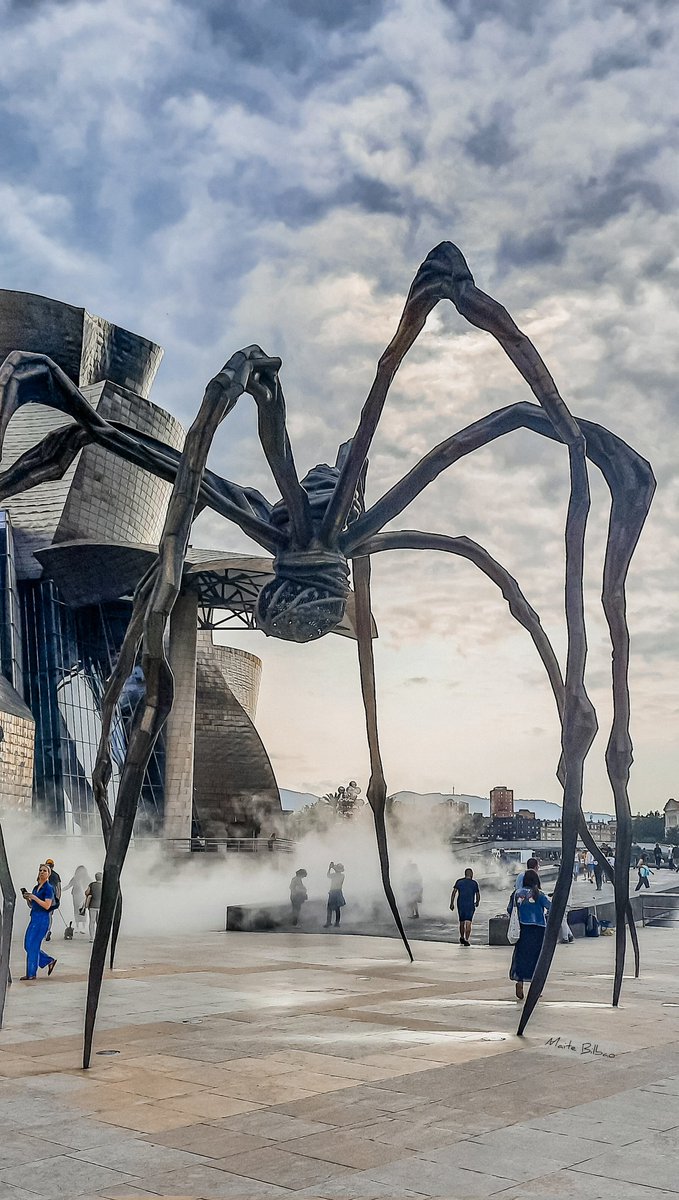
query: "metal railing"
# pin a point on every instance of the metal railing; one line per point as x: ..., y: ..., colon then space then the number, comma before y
x: 659, y: 907
x: 200, y: 845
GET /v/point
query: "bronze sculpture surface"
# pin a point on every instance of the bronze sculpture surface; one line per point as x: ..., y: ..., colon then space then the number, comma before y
x: 320, y: 533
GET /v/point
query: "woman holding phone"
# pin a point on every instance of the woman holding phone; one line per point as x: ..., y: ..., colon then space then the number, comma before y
x: 40, y: 902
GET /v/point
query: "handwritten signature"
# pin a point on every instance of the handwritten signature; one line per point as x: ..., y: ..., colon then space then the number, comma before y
x: 591, y: 1048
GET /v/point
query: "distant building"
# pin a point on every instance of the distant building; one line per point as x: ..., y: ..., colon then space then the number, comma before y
x: 460, y: 808
x: 601, y: 831
x: 502, y: 802
x: 523, y: 827
x: 551, y: 831
x: 671, y: 811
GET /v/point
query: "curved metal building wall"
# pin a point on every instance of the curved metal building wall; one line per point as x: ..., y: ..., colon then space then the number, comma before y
x: 234, y: 787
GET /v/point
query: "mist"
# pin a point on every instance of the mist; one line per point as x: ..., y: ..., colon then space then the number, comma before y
x: 167, y: 893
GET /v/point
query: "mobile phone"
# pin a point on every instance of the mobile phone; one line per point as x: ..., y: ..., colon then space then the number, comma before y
x: 24, y: 892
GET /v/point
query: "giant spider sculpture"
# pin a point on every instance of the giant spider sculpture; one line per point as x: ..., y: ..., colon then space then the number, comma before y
x: 320, y: 533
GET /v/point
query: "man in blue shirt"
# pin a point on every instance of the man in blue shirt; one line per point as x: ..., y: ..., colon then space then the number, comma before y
x: 468, y: 899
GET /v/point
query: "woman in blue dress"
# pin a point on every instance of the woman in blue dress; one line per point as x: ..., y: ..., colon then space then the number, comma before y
x: 40, y: 902
x: 532, y: 906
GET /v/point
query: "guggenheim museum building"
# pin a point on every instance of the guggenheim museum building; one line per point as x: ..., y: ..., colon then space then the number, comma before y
x: 71, y: 554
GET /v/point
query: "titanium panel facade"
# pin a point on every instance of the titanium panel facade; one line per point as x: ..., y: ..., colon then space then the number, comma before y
x: 235, y: 790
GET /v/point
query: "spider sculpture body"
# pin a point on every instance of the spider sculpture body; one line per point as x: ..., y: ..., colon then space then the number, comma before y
x: 321, y: 536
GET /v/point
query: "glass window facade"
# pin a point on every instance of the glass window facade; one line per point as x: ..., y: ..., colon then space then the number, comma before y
x: 69, y: 654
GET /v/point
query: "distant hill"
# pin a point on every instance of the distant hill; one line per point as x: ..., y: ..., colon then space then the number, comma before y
x: 544, y: 810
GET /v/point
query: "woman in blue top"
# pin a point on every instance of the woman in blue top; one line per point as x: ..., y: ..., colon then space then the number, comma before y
x: 40, y: 902
x: 533, y: 906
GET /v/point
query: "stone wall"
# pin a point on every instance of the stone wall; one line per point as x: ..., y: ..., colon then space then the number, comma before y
x: 17, y: 735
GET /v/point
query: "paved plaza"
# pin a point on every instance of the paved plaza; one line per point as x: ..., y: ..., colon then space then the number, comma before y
x: 327, y: 1066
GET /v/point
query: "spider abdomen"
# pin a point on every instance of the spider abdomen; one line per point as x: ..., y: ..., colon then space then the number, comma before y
x: 307, y: 596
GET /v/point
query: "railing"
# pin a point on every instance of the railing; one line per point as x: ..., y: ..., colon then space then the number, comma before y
x: 659, y: 908
x: 200, y: 845
x: 90, y: 845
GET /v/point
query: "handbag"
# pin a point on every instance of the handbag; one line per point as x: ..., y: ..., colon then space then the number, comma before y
x: 514, y: 927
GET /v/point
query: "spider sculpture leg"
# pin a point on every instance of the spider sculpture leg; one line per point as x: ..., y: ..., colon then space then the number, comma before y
x: 33, y: 378
x: 445, y: 274
x: 8, y: 903
x: 526, y: 615
x: 631, y: 484
x: 220, y: 396
x: 377, y: 787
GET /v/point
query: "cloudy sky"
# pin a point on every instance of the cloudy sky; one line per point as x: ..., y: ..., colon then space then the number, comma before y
x: 211, y: 173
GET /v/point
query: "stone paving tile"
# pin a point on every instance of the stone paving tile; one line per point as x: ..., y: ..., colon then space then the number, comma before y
x: 355, y: 1186
x: 279, y: 1166
x: 21, y: 1110
x: 641, y: 1166
x: 346, y: 1068
x: 569, y: 1185
x: 136, y: 1157
x: 408, y: 1135
x: 345, y: 1148
x: 358, y: 1112
x: 274, y: 1125
x: 668, y: 1087
x: 17, y: 1147
x: 154, y: 1086
x: 147, y: 1118
x: 63, y: 1176
x: 274, y: 1091
x: 206, y: 1075
x: 128, y: 1193
x: 208, y: 1183
x: 93, y: 1096
x: 205, y: 1104
x: 386, y: 1099
x: 518, y: 1152
x: 617, y: 1133
x: 210, y: 1141
x: 438, y: 1179
x: 7, y: 1192
x: 647, y: 1109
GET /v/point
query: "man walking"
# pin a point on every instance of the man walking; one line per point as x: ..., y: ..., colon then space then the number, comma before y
x: 657, y: 854
x: 468, y: 899
x: 93, y: 902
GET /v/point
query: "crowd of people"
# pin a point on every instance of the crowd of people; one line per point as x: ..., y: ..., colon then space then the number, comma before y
x: 44, y: 900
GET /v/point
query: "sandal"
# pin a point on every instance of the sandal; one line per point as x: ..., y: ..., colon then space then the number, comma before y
x: 26, y: 978
x: 51, y: 966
